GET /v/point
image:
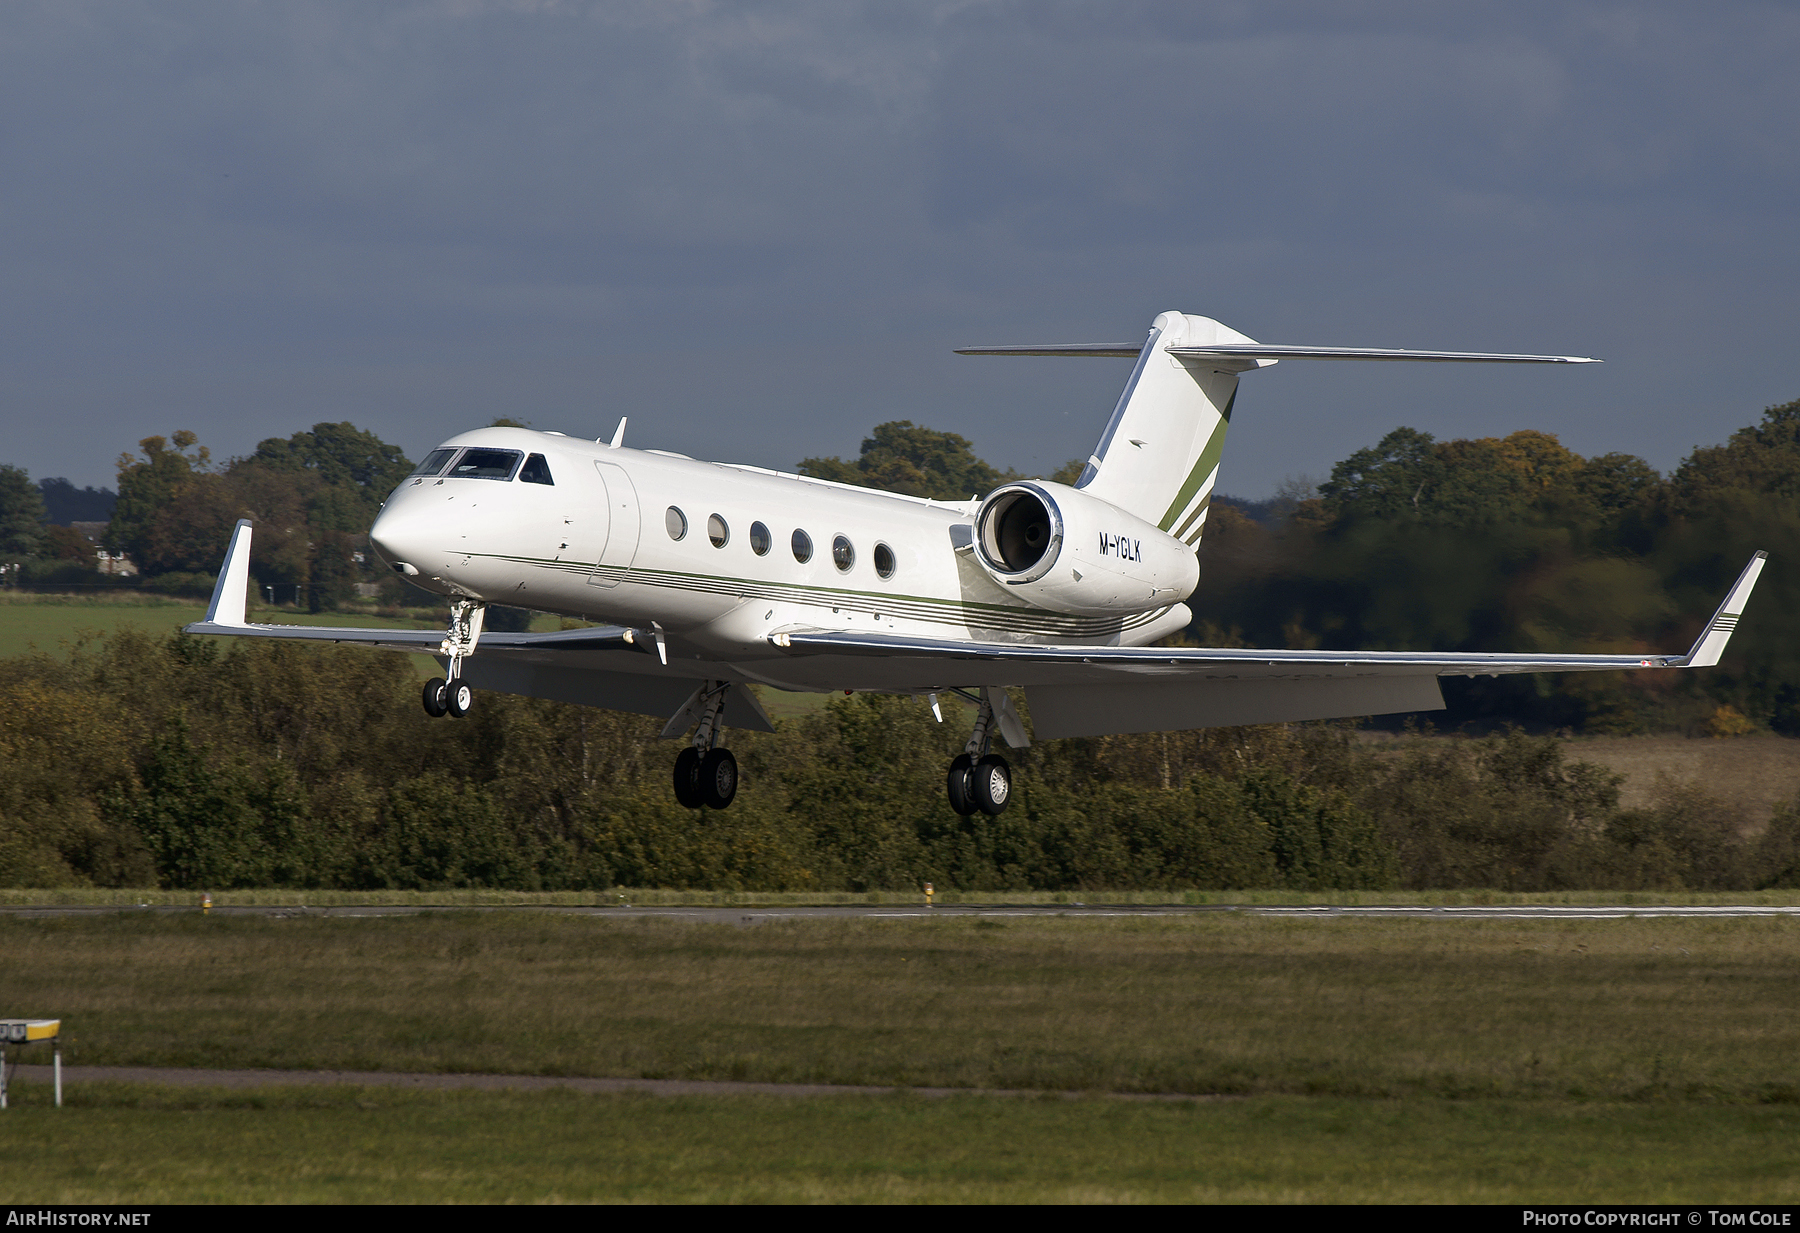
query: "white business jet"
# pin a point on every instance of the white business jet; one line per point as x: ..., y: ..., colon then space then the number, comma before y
x: 711, y: 576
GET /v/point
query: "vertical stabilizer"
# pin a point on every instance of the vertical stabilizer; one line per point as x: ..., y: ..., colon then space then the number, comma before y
x: 1160, y: 454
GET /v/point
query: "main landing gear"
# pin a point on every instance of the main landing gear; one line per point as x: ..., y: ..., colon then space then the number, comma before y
x: 453, y: 696
x: 980, y: 780
x: 705, y: 776
x: 443, y: 697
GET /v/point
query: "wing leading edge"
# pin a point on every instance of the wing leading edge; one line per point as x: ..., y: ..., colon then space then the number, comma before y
x: 1074, y: 690
x: 607, y: 666
x: 1096, y: 691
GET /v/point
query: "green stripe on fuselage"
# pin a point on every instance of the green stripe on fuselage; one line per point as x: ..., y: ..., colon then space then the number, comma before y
x: 997, y: 617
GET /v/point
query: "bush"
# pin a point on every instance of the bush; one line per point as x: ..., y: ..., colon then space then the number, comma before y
x: 196, y: 763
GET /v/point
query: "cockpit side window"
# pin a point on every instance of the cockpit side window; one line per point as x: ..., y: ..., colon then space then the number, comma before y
x: 535, y: 471
x: 486, y: 464
x: 434, y: 462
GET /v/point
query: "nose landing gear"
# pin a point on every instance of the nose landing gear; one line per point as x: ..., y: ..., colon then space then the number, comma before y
x: 453, y: 696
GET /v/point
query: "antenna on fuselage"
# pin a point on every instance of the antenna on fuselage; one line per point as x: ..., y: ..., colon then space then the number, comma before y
x: 618, y: 434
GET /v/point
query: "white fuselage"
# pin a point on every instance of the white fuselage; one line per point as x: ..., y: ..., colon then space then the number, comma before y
x: 598, y: 541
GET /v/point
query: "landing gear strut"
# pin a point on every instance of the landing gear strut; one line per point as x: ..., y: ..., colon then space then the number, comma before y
x: 704, y: 775
x: 978, y: 779
x: 453, y: 696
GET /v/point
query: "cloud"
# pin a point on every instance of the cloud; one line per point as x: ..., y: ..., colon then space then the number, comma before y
x: 762, y: 226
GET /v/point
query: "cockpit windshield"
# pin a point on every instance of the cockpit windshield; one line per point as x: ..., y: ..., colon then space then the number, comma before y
x: 434, y: 462
x: 486, y: 464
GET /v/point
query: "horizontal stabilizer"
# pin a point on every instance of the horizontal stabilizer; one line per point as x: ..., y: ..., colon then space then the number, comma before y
x: 1279, y: 351
x: 1110, y: 351
x: 1276, y: 351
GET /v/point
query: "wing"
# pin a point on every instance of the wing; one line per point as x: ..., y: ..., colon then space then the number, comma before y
x: 608, y: 666
x: 1096, y: 691
x: 1073, y: 690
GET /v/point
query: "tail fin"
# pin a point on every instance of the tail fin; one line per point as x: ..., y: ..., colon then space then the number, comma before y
x: 1160, y: 453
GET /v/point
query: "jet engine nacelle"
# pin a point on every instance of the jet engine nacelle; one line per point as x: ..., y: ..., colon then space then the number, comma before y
x: 1061, y: 549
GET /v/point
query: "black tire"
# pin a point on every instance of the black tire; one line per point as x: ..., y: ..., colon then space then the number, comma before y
x: 459, y: 699
x: 687, y: 778
x: 433, y: 698
x: 990, y: 784
x: 958, y: 787
x: 718, y: 778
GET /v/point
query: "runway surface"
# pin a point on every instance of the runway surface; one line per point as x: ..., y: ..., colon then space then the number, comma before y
x: 240, y: 1079
x: 758, y: 915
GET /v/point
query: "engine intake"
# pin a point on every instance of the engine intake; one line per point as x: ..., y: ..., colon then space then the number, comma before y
x: 1061, y: 549
x: 1021, y: 533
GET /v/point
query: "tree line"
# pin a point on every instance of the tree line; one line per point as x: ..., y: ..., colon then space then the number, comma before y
x: 312, y: 497
x: 1490, y: 544
x: 188, y: 764
x: 1519, y: 544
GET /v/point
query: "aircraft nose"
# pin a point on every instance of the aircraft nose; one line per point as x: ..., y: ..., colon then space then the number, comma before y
x: 403, y: 539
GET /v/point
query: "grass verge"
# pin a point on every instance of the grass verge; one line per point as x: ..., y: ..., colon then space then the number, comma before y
x: 119, y: 1143
x: 1645, y: 1010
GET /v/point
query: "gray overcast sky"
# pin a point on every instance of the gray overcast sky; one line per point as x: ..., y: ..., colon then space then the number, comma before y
x: 759, y: 229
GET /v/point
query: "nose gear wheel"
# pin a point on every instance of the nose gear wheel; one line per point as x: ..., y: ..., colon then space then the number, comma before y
x: 436, y: 705
x: 450, y: 694
x: 459, y: 699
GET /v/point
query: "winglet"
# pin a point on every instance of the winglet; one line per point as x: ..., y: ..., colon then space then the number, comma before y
x: 229, y: 592
x: 1711, y: 644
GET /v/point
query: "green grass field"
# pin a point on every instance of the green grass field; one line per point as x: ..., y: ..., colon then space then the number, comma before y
x: 1212, y: 1004
x: 54, y: 623
x: 118, y: 1143
x: 1392, y: 1060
